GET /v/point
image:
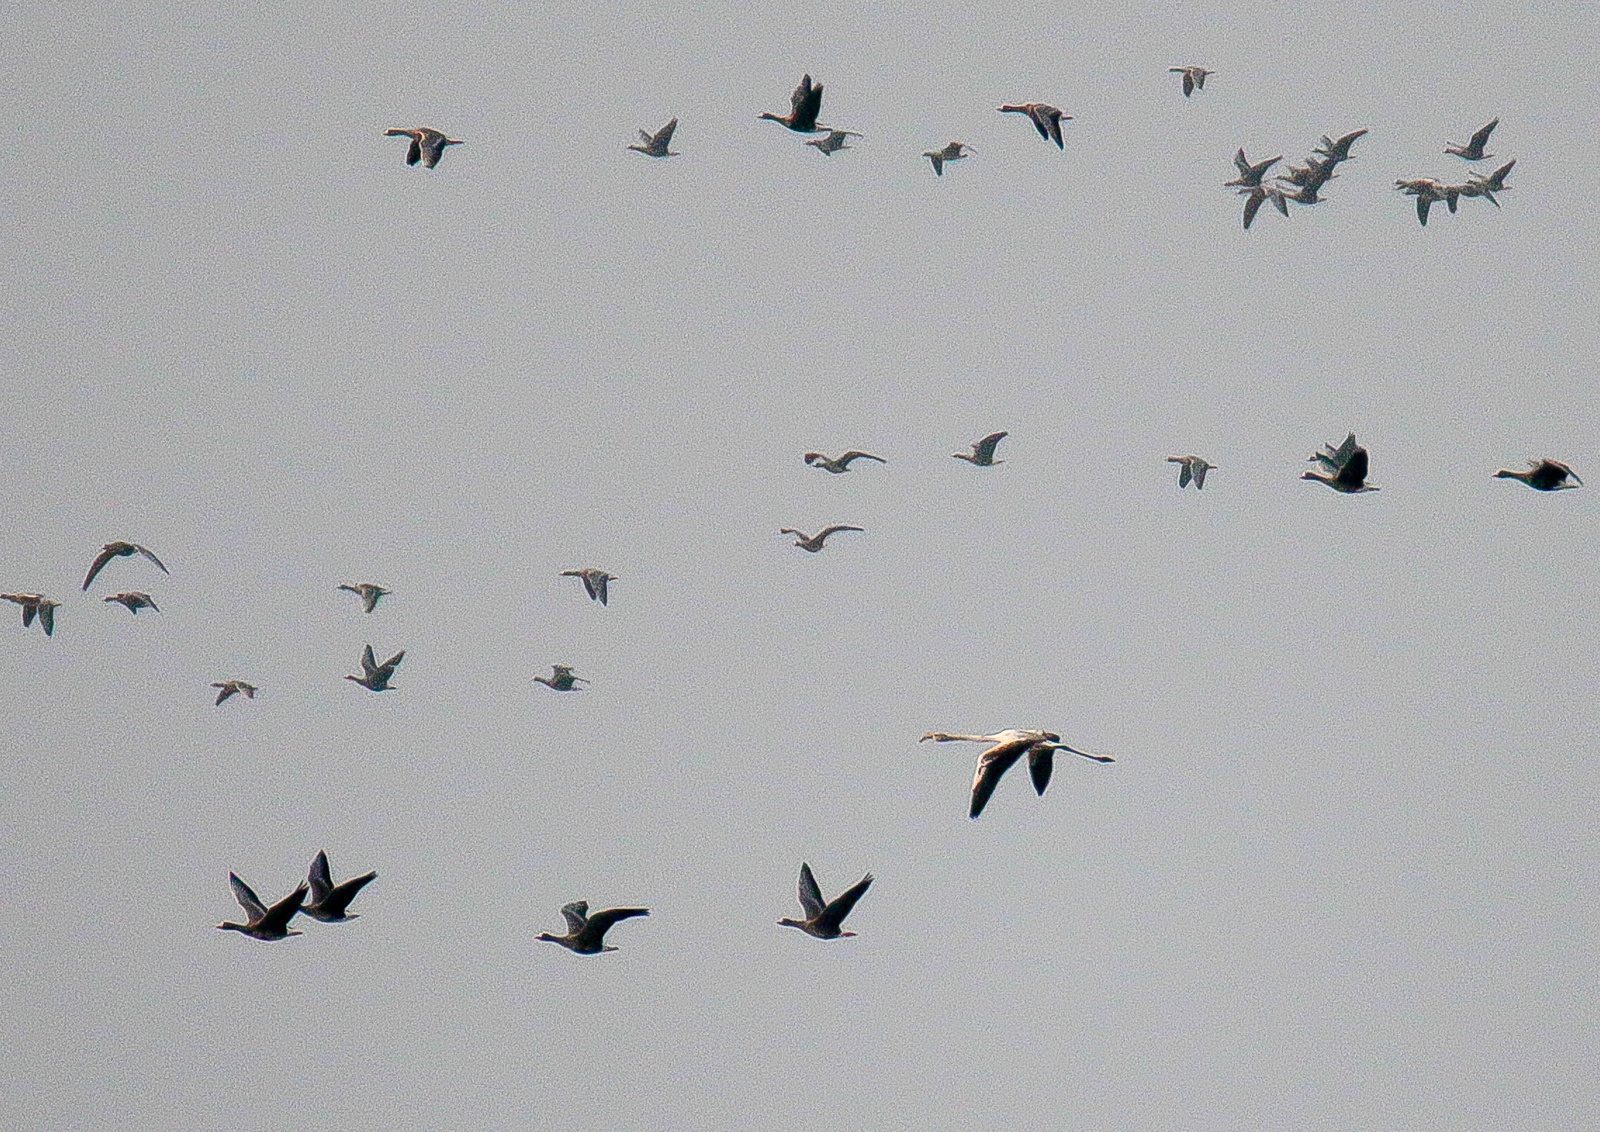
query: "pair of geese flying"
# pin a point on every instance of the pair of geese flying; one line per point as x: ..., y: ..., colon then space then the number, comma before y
x: 1007, y: 747
x: 329, y: 902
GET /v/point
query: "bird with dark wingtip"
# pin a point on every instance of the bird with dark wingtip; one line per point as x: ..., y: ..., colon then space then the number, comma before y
x: 36, y: 605
x: 1473, y: 150
x: 804, y: 106
x: 585, y: 933
x: 369, y: 593
x: 594, y: 582
x: 982, y: 454
x: 118, y: 549
x: 262, y: 922
x: 329, y: 900
x: 1543, y: 475
x: 427, y: 145
x: 1007, y: 747
x: 824, y: 917
x: 655, y: 145
x: 842, y: 464
x: 231, y: 688
x: 375, y: 677
x: 813, y: 543
x: 1046, y: 119
x: 133, y: 601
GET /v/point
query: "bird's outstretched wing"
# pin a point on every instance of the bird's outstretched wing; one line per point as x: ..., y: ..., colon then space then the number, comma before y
x: 576, y: 914
x: 254, y: 910
x: 984, y: 449
x: 839, y: 907
x: 100, y: 560
x: 320, y: 879
x: 992, y: 766
x: 810, y: 895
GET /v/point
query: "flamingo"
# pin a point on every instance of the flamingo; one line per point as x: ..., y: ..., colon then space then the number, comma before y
x: 231, y: 688
x: 842, y: 464
x: 655, y: 145
x: 36, y: 605
x: 134, y: 601
x: 952, y: 151
x: 804, y: 106
x: 369, y: 593
x: 329, y: 900
x: 1194, y: 78
x: 1007, y: 747
x: 982, y: 455
x: 262, y: 922
x: 814, y: 543
x: 118, y: 550
x: 1046, y: 119
x: 823, y: 918
x: 1543, y: 475
x: 375, y: 677
x: 585, y: 933
x: 1473, y: 150
x: 1192, y: 467
x: 427, y: 145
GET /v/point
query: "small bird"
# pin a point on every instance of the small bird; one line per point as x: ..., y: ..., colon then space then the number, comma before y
x: 375, y: 677
x: 842, y: 464
x: 1191, y: 468
x: 823, y: 918
x: 807, y: 542
x: 118, y: 550
x: 1428, y: 193
x: 1009, y: 746
x: 804, y: 106
x: 561, y: 679
x: 1486, y: 187
x: 232, y: 688
x: 263, y: 922
x: 1255, y: 197
x: 834, y: 141
x: 594, y: 581
x: 585, y: 933
x: 134, y: 601
x: 655, y: 145
x: 1543, y: 475
x: 1473, y: 150
x: 36, y: 605
x: 369, y: 593
x: 1351, y: 476
x: 329, y: 900
x: 982, y: 455
x: 1046, y: 119
x: 1250, y: 175
x: 427, y: 145
x: 1194, y: 78
x: 953, y: 151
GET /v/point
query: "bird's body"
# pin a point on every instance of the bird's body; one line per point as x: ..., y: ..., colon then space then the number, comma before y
x: 1473, y: 150
x: 427, y: 144
x: 804, y: 106
x: 118, y: 550
x: 329, y: 900
x: 953, y: 151
x: 982, y: 454
x: 230, y: 688
x: 586, y: 933
x: 1543, y: 475
x: 1191, y: 468
x: 262, y: 922
x: 561, y: 679
x: 813, y: 543
x: 1486, y: 187
x: 1194, y: 78
x: 655, y: 145
x: 375, y: 677
x: 1428, y: 193
x: 36, y: 605
x: 1007, y: 747
x: 841, y: 465
x: 594, y: 582
x: 134, y: 601
x: 1250, y: 174
x: 1350, y: 477
x: 368, y: 592
x: 1046, y: 119
x: 833, y: 142
x: 823, y: 918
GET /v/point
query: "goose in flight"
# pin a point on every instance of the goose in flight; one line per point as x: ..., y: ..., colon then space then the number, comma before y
x: 1331, y: 458
x: 594, y: 581
x: 655, y: 145
x: 1191, y: 468
x: 1428, y: 193
x: 1543, y: 475
x: 585, y: 933
x: 842, y: 464
x: 36, y: 605
x: 375, y: 677
x: 561, y: 679
x: 814, y: 543
x: 1312, y: 175
x: 823, y: 918
x: 804, y: 106
x: 1250, y: 175
x: 1335, y: 150
x: 1007, y: 747
x: 329, y: 900
x: 1255, y: 197
x: 1473, y: 150
x: 118, y: 550
x: 953, y: 151
x: 427, y: 145
x: 368, y: 592
x: 1486, y: 187
x: 982, y: 455
x: 834, y: 141
x: 134, y: 601
x: 1194, y: 78
x: 1046, y: 119
x: 1351, y: 476
x: 231, y: 688
x: 263, y: 922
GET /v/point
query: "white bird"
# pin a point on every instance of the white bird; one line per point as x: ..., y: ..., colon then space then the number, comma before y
x: 1009, y: 746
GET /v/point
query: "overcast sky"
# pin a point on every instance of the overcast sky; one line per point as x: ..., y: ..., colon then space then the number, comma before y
x: 1342, y: 874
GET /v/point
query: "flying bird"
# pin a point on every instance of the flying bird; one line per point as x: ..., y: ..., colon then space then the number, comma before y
x: 804, y: 106
x: 814, y: 544
x: 263, y: 922
x: 1009, y: 746
x: 1486, y: 187
x: 982, y: 455
x: 1337, y: 150
x: 1191, y: 468
x: 834, y: 141
x: 594, y: 581
x: 1194, y: 78
x: 231, y: 688
x: 118, y: 550
x: 1428, y: 193
x: 655, y: 145
x: 1257, y: 196
x: 329, y: 900
x: 1250, y: 175
x: 842, y: 464
x: 823, y: 918
x: 134, y: 601
x: 36, y: 605
x: 1543, y: 475
x: 1046, y: 119
x: 1331, y: 458
x: 375, y: 677
x: 1473, y: 150
x: 953, y: 151
x: 1351, y: 476
x: 561, y: 679
x: 585, y: 933
x: 427, y: 145
x: 368, y: 592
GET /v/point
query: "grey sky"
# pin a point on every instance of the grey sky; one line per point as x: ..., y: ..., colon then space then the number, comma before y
x: 1343, y: 873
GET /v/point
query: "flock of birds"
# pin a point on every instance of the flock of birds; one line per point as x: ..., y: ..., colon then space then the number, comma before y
x: 1343, y: 468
